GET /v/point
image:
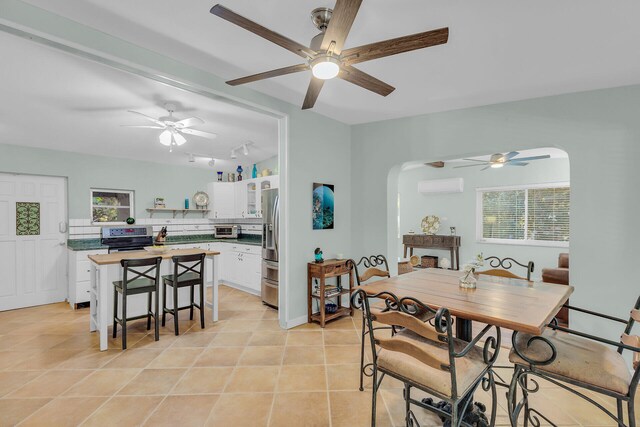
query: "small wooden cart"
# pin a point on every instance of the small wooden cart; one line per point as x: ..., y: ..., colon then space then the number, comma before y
x: 323, y: 271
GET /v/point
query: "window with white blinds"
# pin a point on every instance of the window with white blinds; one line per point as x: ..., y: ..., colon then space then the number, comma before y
x: 534, y: 214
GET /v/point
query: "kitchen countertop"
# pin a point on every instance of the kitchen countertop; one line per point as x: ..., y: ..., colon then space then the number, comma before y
x: 93, y: 244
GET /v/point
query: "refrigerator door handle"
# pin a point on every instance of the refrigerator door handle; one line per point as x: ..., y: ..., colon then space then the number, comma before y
x: 276, y: 220
x: 264, y: 236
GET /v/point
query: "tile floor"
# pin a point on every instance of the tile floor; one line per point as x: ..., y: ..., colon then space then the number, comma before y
x: 241, y: 371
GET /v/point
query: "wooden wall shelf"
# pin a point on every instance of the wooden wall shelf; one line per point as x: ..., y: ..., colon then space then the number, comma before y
x: 175, y: 212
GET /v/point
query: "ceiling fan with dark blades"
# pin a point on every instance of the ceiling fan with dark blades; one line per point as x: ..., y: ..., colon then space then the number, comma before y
x: 173, y: 128
x: 499, y: 160
x: 325, y: 56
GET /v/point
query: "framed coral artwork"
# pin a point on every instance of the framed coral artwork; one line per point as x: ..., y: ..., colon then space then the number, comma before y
x: 323, y: 210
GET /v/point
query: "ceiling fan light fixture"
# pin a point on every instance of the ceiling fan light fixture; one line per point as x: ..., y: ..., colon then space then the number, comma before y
x: 497, y: 165
x: 212, y: 162
x: 165, y: 138
x: 325, y: 67
x: 178, y: 138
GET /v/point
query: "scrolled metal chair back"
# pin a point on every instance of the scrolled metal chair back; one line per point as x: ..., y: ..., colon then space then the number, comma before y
x: 400, y: 314
x: 501, y: 267
x: 633, y: 341
x: 373, y: 265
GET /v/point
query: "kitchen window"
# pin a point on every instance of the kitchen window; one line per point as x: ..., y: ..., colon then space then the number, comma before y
x: 111, y: 206
x: 536, y: 215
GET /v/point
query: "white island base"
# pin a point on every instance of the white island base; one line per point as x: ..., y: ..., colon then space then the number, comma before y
x: 105, y: 269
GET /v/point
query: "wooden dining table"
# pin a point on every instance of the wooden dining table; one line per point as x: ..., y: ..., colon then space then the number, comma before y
x: 518, y: 305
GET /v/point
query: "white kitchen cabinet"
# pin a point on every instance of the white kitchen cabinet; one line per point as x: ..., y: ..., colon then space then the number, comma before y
x: 242, y: 265
x: 79, y: 275
x: 240, y: 189
x: 247, y: 198
x: 222, y: 203
x: 241, y: 199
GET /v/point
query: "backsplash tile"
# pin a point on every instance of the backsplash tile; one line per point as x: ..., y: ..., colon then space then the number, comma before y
x: 81, y: 228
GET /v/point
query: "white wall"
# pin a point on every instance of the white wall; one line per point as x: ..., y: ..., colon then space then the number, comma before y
x: 459, y: 209
x: 600, y: 132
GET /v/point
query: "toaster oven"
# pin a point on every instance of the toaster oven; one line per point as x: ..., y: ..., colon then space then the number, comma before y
x: 225, y: 231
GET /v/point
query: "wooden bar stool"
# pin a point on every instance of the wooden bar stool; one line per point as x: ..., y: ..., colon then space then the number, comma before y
x: 189, y: 271
x: 136, y: 282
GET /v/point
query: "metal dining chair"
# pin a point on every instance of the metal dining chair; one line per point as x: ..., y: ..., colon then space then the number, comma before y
x: 369, y: 267
x: 502, y: 268
x: 428, y: 358
x: 566, y: 357
x: 188, y: 271
x: 370, y: 270
x: 136, y: 282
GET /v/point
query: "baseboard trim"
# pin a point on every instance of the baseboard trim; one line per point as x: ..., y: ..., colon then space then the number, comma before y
x: 240, y: 288
x: 296, y: 322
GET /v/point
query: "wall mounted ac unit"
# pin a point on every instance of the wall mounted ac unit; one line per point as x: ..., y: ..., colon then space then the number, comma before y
x: 439, y: 186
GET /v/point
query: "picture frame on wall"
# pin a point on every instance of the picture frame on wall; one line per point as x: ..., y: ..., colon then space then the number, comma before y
x: 323, y: 206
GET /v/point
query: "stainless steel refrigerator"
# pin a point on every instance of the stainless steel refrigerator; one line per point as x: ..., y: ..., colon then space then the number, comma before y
x: 270, y: 228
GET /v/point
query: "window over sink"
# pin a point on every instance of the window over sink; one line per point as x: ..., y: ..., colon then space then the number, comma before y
x: 535, y: 214
x: 111, y: 206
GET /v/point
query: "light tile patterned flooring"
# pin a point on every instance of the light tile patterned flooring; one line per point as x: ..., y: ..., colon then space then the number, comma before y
x: 241, y: 371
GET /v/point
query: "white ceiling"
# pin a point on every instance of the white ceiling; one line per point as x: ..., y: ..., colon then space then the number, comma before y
x: 52, y: 99
x: 498, y: 50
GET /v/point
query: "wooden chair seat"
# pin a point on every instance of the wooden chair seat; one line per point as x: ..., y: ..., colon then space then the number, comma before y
x: 468, y: 368
x: 138, y: 286
x: 186, y: 279
x: 578, y: 359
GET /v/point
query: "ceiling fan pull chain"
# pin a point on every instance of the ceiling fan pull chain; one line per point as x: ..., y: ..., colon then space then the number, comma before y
x: 331, y: 48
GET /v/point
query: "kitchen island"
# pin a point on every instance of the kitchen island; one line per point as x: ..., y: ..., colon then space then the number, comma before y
x: 105, y: 268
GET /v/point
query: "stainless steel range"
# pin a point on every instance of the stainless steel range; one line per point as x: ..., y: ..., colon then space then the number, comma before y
x: 129, y: 238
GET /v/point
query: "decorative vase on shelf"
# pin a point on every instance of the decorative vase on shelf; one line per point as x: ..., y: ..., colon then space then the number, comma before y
x: 239, y: 170
x: 254, y: 171
x: 219, y: 176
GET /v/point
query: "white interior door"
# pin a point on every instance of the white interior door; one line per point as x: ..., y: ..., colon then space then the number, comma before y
x: 33, y: 257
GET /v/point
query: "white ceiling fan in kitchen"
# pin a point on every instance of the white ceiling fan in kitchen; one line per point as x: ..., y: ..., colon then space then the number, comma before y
x: 173, y: 129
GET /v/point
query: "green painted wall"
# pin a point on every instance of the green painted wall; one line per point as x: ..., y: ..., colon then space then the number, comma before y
x: 271, y: 163
x: 600, y: 132
x: 83, y: 172
x: 459, y: 209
